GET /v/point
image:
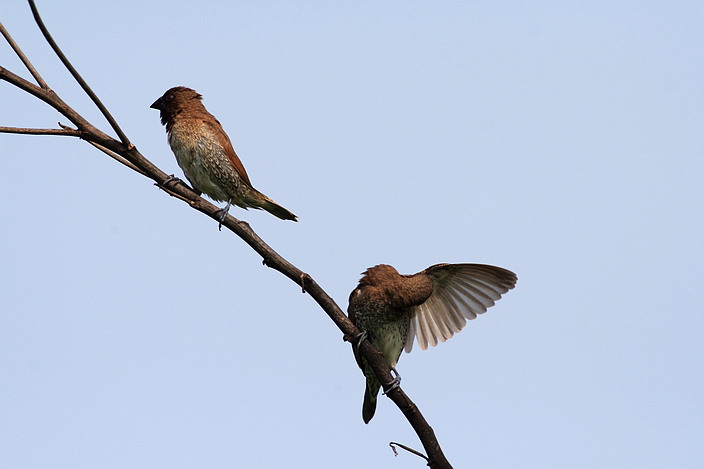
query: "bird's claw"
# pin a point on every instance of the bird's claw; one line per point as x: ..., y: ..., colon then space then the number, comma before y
x: 361, y: 337
x: 221, y: 218
x: 395, y: 383
x: 223, y: 214
x: 169, y: 180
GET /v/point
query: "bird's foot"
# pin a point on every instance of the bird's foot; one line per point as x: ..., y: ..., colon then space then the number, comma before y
x: 168, y: 181
x: 395, y: 383
x: 361, y: 337
x: 223, y: 214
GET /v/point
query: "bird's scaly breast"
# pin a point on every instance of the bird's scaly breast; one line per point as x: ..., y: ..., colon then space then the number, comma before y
x: 195, y: 153
x: 387, y: 327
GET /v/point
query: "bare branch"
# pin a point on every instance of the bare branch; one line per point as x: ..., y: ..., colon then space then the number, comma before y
x: 393, y: 445
x: 118, y: 158
x: 51, y: 98
x: 110, y: 153
x: 86, y: 130
x: 23, y: 84
x: 23, y: 57
x: 69, y: 132
x: 77, y: 76
x: 20, y: 130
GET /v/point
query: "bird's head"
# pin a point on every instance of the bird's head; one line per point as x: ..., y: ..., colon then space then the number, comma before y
x: 176, y: 100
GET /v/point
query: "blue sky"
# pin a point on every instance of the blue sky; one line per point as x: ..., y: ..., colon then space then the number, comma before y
x: 561, y: 140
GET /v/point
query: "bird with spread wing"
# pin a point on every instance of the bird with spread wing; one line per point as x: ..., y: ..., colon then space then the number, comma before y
x: 394, y: 310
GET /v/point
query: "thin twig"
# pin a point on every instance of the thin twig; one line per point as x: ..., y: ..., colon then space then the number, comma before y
x: 69, y: 132
x: 20, y: 130
x: 110, y: 153
x: 117, y: 157
x: 23, y: 84
x: 23, y: 57
x: 393, y: 445
x: 78, y: 77
x: 52, y: 99
x: 88, y: 132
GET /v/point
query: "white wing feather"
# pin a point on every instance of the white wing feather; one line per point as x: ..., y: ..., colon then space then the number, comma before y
x: 461, y: 292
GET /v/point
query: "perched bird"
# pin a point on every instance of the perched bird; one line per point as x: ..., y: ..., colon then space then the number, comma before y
x: 393, y: 310
x: 206, y: 156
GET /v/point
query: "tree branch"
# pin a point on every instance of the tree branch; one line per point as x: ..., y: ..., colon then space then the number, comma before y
x: 23, y: 57
x: 20, y: 130
x: 118, y: 158
x: 127, y: 154
x: 77, y: 76
x: 52, y: 99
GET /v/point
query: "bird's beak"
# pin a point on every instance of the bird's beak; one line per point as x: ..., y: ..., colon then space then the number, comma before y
x: 158, y: 104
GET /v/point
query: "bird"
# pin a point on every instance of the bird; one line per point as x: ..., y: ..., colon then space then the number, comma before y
x: 393, y: 310
x: 205, y: 154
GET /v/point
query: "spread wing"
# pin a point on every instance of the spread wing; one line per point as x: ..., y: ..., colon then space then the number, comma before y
x: 461, y: 291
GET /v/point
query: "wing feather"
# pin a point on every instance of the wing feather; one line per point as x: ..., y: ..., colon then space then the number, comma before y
x: 454, y: 316
x: 217, y: 131
x: 412, y: 328
x: 472, y: 303
x: 423, y: 331
x: 440, y: 328
x: 460, y: 292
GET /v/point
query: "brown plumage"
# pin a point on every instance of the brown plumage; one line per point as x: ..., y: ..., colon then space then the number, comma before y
x: 205, y: 154
x: 430, y: 306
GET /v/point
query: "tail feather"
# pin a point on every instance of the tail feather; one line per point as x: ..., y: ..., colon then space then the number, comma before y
x: 369, y: 404
x: 276, y: 209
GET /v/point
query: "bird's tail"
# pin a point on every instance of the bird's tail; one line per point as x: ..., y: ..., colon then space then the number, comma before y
x: 275, y: 209
x: 369, y: 404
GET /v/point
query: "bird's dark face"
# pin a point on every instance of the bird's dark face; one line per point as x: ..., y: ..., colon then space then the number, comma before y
x: 174, y: 100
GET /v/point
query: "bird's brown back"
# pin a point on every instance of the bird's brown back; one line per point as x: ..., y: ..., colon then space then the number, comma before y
x: 384, y: 283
